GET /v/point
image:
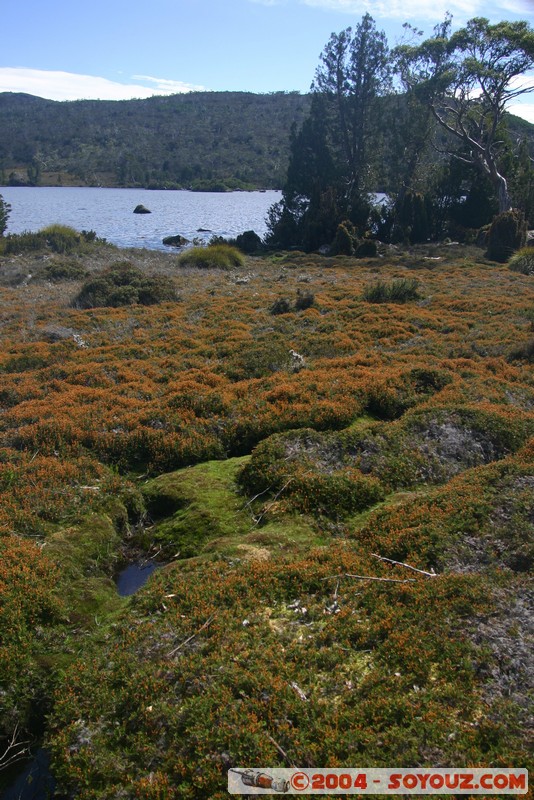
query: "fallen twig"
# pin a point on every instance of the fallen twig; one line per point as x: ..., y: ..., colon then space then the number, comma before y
x: 299, y: 691
x: 190, y: 638
x: 282, y: 751
x: 408, y: 566
x: 271, y: 504
x: 383, y: 580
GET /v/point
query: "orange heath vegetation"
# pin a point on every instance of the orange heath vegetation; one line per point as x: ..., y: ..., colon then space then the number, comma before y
x: 421, y: 428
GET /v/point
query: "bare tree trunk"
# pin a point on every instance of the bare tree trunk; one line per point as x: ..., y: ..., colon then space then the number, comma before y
x: 505, y: 202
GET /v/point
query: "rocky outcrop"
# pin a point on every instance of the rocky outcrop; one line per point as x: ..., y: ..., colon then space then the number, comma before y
x: 175, y: 241
x: 141, y: 209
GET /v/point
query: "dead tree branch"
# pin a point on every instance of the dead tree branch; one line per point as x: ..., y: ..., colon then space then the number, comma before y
x: 431, y: 574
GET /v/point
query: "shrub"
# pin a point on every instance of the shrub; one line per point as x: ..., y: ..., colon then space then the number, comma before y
x: 366, y: 249
x: 412, y: 217
x: 5, y: 208
x: 523, y: 261
x: 524, y: 352
x: 125, y: 285
x: 507, y: 233
x: 25, y: 242
x: 258, y: 359
x: 58, y: 238
x: 343, y: 244
x: 249, y: 242
x: 61, y: 238
x: 340, y: 492
x: 397, y: 291
x: 215, y: 256
x: 280, y: 306
x: 304, y: 300
x: 63, y: 271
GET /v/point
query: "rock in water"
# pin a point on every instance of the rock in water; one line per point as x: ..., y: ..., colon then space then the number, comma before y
x: 176, y: 241
x: 141, y: 209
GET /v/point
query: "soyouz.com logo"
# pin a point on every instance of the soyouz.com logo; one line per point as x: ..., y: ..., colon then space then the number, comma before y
x: 377, y: 781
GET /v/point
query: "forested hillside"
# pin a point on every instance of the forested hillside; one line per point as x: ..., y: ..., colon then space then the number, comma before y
x: 233, y: 138
x: 209, y: 140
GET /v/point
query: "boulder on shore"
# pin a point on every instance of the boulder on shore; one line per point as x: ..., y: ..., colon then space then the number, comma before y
x: 141, y: 209
x: 175, y: 241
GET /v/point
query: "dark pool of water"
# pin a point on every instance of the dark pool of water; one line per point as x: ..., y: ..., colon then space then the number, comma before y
x: 34, y: 782
x: 133, y: 576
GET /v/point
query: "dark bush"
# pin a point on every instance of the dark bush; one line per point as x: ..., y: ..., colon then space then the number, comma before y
x: 63, y: 271
x: 412, y: 217
x: 524, y: 352
x: 62, y: 239
x: 57, y: 238
x: 25, y: 242
x: 280, y: 306
x: 5, y: 210
x: 304, y: 300
x: 258, y: 359
x: 427, y: 381
x: 507, y: 233
x: 366, y: 249
x: 343, y: 244
x: 249, y: 242
x: 125, y: 285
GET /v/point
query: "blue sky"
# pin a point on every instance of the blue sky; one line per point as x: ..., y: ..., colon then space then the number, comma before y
x: 118, y: 49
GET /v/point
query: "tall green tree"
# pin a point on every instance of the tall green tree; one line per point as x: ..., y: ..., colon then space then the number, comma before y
x: 468, y: 78
x: 307, y: 214
x: 5, y: 208
x: 353, y: 72
x: 331, y: 156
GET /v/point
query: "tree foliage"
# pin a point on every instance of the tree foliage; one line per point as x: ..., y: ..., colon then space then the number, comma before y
x: 360, y: 137
x: 5, y: 208
x: 354, y: 71
x: 200, y: 140
x: 467, y: 79
x: 332, y: 155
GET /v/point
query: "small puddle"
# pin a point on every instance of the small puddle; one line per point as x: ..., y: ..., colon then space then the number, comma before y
x: 133, y: 576
x: 34, y: 782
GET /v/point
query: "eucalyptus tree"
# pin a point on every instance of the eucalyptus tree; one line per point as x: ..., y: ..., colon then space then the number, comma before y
x: 468, y: 79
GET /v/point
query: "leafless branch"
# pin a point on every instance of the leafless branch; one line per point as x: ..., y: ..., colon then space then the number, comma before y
x: 382, y: 580
x: 15, y: 750
x: 271, y: 504
x: 282, y: 752
x: 193, y: 636
x: 408, y: 566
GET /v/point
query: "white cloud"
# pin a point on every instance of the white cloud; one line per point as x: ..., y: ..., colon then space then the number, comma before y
x: 56, y: 85
x: 525, y: 110
x: 396, y: 9
x: 424, y: 9
x: 517, y: 6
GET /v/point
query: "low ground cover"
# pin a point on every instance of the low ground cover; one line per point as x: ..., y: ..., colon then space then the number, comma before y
x: 266, y: 457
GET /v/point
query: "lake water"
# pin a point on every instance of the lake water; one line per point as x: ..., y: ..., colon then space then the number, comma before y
x: 109, y: 212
